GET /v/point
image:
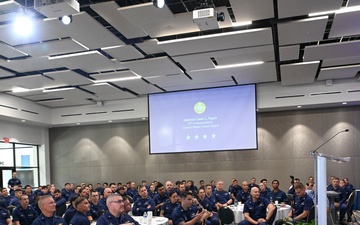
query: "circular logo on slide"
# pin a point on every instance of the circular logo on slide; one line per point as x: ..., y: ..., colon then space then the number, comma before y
x: 200, y: 107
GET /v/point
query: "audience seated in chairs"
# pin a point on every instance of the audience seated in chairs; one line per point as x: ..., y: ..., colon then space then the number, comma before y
x: 255, y: 210
x: 301, y: 210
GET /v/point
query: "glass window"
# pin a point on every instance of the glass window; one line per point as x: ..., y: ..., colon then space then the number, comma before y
x: 28, y: 176
x: 7, y: 155
x: 26, y: 155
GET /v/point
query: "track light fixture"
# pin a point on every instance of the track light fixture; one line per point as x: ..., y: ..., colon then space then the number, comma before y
x: 66, y: 19
x: 159, y: 3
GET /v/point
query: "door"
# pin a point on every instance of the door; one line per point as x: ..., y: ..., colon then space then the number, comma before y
x: 6, y: 174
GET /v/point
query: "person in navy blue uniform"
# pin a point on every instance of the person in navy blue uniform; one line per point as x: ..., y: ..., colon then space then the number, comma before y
x: 339, y: 201
x: 25, y: 214
x: 302, y: 206
x: 5, y: 198
x: 59, y: 199
x: 151, y: 191
x: 348, y: 187
x: 143, y: 204
x: 13, y: 181
x: 222, y: 198
x: 291, y: 190
x: 4, y: 217
x: 253, y: 183
x: 47, y: 206
x: 264, y: 181
x: 255, y: 209
x: 70, y: 212
x: 169, y: 206
x: 15, y: 201
x: 115, y: 215
x: 96, y: 210
x: 190, y: 187
x: 276, y: 194
x: 244, y: 194
x: 234, y: 189
x: 184, y: 214
x: 160, y: 197
x: 29, y: 193
x: 82, y: 207
x: 206, y: 205
x: 263, y: 192
x: 107, y: 193
x: 210, y: 197
x: 132, y: 191
x: 66, y: 192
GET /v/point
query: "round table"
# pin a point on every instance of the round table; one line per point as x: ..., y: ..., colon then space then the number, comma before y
x: 156, y: 220
x: 282, y: 211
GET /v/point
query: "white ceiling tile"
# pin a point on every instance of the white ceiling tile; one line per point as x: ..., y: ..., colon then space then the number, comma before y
x: 69, y: 77
x: 226, y: 57
x: 200, y: 85
x: 87, y: 31
x: 298, y: 73
x: 338, y: 72
x: 302, y: 31
x: 331, y: 51
x: 153, y: 67
x: 109, y: 11
x: 345, y: 24
x: 289, y: 52
x: 353, y: 3
x: 30, y: 64
x: 92, y: 61
x: 32, y: 81
x: 74, y: 94
x: 39, y: 96
x: 123, y: 53
x: 10, y: 52
x: 150, y: 47
x: 113, y: 75
x: 4, y: 73
x: 291, y: 8
x: 7, y: 16
x: 162, y: 22
x: 138, y: 86
x: 105, y: 92
x: 64, y: 103
x: 251, y: 10
x: 207, y: 43
x: 42, y: 31
x: 51, y: 48
x: 166, y: 81
x: 341, y: 61
x: 9, y: 5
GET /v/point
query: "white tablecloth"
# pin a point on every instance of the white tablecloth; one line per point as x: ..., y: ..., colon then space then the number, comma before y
x: 156, y: 220
x: 282, y: 211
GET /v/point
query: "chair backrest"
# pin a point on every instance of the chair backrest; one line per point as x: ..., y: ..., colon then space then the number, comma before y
x: 351, y: 200
x: 311, y: 215
x: 273, y: 216
x: 60, y: 210
x: 290, y: 198
x: 226, y: 215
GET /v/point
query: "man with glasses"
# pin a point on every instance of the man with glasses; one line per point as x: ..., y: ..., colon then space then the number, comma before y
x: 24, y: 214
x: 47, y: 206
x: 96, y: 210
x: 115, y: 215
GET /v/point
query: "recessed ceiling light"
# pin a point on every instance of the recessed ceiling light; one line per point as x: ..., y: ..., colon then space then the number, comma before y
x: 344, y: 103
x: 110, y: 121
x: 77, y: 123
x: 23, y: 121
x: 143, y: 118
x: 299, y: 106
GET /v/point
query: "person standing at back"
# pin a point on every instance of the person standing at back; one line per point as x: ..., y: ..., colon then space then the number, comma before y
x: 13, y: 181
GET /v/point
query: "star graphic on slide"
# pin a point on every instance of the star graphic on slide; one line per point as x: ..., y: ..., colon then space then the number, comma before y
x: 213, y: 136
x: 188, y: 137
x: 204, y: 136
x: 196, y: 136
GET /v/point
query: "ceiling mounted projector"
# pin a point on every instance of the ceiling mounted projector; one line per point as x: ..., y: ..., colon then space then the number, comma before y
x: 207, y: 18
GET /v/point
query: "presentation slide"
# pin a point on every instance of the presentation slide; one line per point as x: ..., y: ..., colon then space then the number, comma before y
x: 213, y: 119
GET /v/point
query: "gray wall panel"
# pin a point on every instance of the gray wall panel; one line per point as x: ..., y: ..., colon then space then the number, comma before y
x: 119, y: 152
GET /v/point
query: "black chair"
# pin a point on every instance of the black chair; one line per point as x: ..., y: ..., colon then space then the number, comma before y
x: 226, y: 216
x: 60, y: 210
x: 273, y: 216
x: 290, y: 198
x: 311, y: 215
x: 349, y: 208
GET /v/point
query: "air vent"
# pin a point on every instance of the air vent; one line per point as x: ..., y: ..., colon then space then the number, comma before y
x: 95, y: 113
x: 69, y: 115
x: 326, y: 93
x: 24, y: 110
x: 289, y: 96
x: 122, y: 110
x: 8, y: 107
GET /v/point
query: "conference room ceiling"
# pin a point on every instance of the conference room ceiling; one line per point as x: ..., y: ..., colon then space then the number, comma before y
x: 126, y: 49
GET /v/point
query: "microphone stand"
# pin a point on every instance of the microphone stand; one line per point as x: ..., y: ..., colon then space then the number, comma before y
x: 313, y: 152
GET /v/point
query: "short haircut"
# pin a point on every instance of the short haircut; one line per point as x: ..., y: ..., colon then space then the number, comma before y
x: 159, y: 185
x: 57, y: 191
x: 275, y: 181
x: 17, y: 190
x: 42, y: 199
x: 299, y: 186
x: 184, y: 194
x: 23, y: 195
x: 111, y: 196
x: 28, y: 186
x: 78, y: 201
x: 172, y: 192
x: 67, y: 183
x: 262, y: 180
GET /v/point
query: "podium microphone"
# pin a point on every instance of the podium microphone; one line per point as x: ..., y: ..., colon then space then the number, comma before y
x: 314, y: 151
